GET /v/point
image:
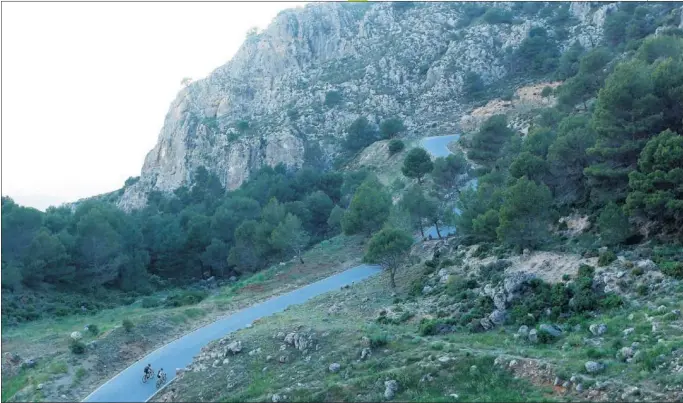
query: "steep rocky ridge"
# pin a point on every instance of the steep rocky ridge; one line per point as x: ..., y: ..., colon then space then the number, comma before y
x: 267, y: 105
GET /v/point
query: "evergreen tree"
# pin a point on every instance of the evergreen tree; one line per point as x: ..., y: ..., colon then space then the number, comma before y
x: 525, y: 214
x: 369, y: 209
x: 417, y: 164
x: 389, y: 247
x: 488, y: 143
x: 656, y: 188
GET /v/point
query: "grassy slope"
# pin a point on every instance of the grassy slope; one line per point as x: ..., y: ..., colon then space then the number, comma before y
x: 408, y: 357
x: 64, y: 373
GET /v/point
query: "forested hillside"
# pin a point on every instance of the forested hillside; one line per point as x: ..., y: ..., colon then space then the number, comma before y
x: 98, y: 256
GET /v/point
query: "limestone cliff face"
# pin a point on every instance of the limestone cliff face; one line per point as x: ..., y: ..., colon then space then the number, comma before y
x: 268, y: 104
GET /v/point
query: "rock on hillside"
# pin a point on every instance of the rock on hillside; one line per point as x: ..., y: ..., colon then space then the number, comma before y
x: 315, y: 69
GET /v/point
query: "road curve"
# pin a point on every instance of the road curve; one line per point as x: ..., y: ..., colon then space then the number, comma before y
x: 127, y: 386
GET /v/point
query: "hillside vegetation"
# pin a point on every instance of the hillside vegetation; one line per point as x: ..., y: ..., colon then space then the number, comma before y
x: 572, y: 223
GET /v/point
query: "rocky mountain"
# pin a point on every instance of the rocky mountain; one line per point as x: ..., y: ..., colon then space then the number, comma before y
x: 314, y: 70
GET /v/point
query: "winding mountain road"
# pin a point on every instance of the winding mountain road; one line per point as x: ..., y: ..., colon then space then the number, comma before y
x: 127, y: 386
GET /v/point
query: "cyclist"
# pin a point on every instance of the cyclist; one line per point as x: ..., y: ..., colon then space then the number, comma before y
x: 148, y: 371
x: 160, y: 374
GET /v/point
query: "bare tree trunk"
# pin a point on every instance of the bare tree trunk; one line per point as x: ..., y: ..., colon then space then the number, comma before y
x: 422, y: 231
x: 392, y: 274
x: 436, y: 224
x: 301, y: 259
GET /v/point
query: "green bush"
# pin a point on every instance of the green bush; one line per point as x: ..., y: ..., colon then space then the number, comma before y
x: 333, y: 98
x: 150, y: 302
x: 77, y: 347
x: 606, y: 258
x: 642, y: 290
x: 456, y: 286
x: 672, y: 269
x: 379, y: 339
x: 428, y: 327
x: 611, y: 301
x: 395, y: 146
x: 187, y: 297
x: 417, y: 286
x: 497, y: 15
x: 93, y: 329
x: 127, y: 325
x: 545, y: 337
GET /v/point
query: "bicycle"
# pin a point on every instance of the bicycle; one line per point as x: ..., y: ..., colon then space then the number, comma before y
x: 161, y: 381
x: 147, y: 376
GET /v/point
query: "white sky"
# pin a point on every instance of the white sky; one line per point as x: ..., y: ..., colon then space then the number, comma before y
x: 86, y: 86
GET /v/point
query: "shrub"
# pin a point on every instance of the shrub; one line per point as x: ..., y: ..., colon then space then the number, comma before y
x: 494, y: 271
x: 642, y: 289
x: 379, y: 340
x: 566, y: 277
x: 150, y: 302
x: 497, y: 15
x: 332, y: 98
x: 672, y: 269
x: 395, y: 146
x: 595, y: 353
x: 611, y: 301
x: 188, y: 297
x: 416, y: 286
x: 456, y: 286
x: 508, y: 95
x: 546, y: 92
x: 77, y: 347
x: 545, y: 337
x: 427, y: 327
x: 606, y: 258
x: 127, y: 325
x: 93, y: 329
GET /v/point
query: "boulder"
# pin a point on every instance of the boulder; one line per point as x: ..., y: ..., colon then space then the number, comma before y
x: 365, y: 353
x: 514, y: 282
x: 390, y: 389
x: 334, y: 367
x: 551, y: 329
x: 486, y: 323
x: 624, y: 353
x: 498, y: 317
x: 76, y: 336
x: 593, y: 367
x: 533, y: 336
x: 598, y: 329
x: 646, y: 265
x: 523, y: 330
x: 234, y: 347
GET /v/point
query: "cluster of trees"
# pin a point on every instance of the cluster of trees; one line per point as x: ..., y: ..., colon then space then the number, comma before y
x: 195, y: 232
x: 361, y: 133
x: 612, y: 147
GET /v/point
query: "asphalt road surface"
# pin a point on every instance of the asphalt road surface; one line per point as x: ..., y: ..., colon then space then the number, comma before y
x: 127, y: 386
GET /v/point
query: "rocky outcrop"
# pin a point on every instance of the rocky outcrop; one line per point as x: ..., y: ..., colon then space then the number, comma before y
x: 268, y: 104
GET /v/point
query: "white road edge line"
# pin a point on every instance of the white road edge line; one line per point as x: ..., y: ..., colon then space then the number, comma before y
x: 200, y: 327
